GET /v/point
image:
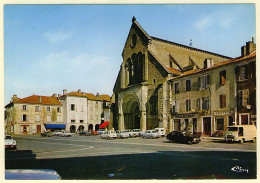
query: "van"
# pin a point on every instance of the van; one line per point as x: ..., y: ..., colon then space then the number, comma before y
x: 161, y: 131
x: 241, y: 133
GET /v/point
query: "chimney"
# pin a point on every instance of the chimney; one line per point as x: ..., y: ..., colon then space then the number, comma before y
x: 54, y: 95
x: 59, y: 95
x: 64, y: 92
x: 248, y: 48
x: 40, y: 99
x: 79, y: 90
x: 97, y: 94
x: 83, y: 93
x: 14, y: 98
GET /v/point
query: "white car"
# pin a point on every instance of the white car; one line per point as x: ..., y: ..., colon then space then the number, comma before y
x: 140, y: 133
x: 151, y: 134
x: 161, y: 131
x: 131, y: 133
x: 65, y: 134
x: 56, y: 133
x: 10, y: 143
x: 121, y: 134
x: 109, y: 135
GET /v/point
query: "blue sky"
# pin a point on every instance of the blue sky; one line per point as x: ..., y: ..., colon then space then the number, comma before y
x: 49, y: 48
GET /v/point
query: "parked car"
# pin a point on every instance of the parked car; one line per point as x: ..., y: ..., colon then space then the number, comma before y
x: 93, y: 132
x: 241, y: 133
x: 183, y: 136
x: 10, y: 143
x: 46, y: 134
x: 31, y: 174
x: 140, y: 133
x: 161, y: 131
x: 132, y: 133
x: 101, y: 131
x: 109, y: 135
x: 85, y: 133
x: 122, y: 134
x: 56, y: 133
x: 151, y: 134
x: 65, y: 134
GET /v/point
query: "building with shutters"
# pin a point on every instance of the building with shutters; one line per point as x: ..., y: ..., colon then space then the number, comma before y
x: 83, y: 111
x: 33, y: 115
x: 208, y: 100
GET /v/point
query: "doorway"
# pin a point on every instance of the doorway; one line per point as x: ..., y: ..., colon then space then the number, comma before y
x: 38, y: 129
x: 177, y: 124
x: 207, y: 125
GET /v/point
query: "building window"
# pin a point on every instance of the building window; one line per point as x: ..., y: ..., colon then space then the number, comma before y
x: 81, y: 121
x: 188, y: 85
x: 48, y: 109
x: 243, y: 97
x: 170, y: 64
x: 186, y: 121
x: 222, y: 101
x: 198, y: 104
x: 219, y: 123
x: 176, y: 88
x: 175, y: 107
x: 25, y: 117
x: 58, y: 109
x: 37, y: 108
x: 231, y: 121
x: 48, y: 118
x: 37, y: 118
x: 243, y: 72
x: 222, y: 77
x: 188, y: 105
x: 72, y: 107
x: 153, y: 105
x: 24, y: 107
x: 205, y: 103
x: 72, y: 121
x: 59, y: 118
x: 204, y: 81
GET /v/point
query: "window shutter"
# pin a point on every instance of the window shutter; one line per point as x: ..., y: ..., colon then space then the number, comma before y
x: 208, y: 80
x: 220, y: 101
x: 199, y: 83
x: 22, y: 118
x: 224, y: 100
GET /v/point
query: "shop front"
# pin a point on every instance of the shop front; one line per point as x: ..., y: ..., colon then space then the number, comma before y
x: 187, y: 121
x: 222, y: 119
x: 54, y: 127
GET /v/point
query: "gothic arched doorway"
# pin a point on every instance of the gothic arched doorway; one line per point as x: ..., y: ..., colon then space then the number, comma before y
x: 131, y: 112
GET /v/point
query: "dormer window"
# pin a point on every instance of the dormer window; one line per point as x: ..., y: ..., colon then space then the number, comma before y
x: 208, y: 63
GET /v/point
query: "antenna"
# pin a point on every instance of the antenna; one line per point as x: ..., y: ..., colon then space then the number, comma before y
x: 190, y: 42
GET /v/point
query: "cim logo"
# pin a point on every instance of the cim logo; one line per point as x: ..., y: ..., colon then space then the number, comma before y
x: 239, y: 169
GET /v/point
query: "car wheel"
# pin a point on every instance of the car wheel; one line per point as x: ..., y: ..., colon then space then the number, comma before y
x: 241, y: 141
x: 189, y: 142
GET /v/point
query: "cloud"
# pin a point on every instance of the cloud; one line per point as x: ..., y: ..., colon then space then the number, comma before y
x: 57, y: 37
x: 202, y: 23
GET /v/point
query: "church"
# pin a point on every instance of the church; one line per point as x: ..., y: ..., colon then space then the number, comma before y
x: 142, y: 91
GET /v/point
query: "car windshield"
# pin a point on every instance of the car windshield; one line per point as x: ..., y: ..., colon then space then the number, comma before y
x: 8, y: 137
x: 186, y: 133
x: 232, y: 129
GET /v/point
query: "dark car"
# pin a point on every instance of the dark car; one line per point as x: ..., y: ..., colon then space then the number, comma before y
x: 183, y: 137
x: 85, y: 133
x: 46, y: 134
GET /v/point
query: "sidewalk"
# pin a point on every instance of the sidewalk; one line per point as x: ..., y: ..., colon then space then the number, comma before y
x: 209, y: 138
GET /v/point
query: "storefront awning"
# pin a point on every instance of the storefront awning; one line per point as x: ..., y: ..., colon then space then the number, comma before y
x: 103, y: 125
x: 54, y: 126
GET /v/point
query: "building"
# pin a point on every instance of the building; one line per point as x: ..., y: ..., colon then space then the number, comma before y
x: 246, y: 84
x: 33, y: 115
x: 83, y: 111
x: 142, y: 89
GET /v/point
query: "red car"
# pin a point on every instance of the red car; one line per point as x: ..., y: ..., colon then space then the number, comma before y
x: 93, y: 132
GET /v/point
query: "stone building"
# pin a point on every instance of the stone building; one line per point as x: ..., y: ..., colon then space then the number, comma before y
x: 246, y: 85
x: 33, y: 114
x: 142, y: 89
x: 83, y: 111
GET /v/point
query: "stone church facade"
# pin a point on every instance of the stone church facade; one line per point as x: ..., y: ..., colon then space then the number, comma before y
x: 142, y: 91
